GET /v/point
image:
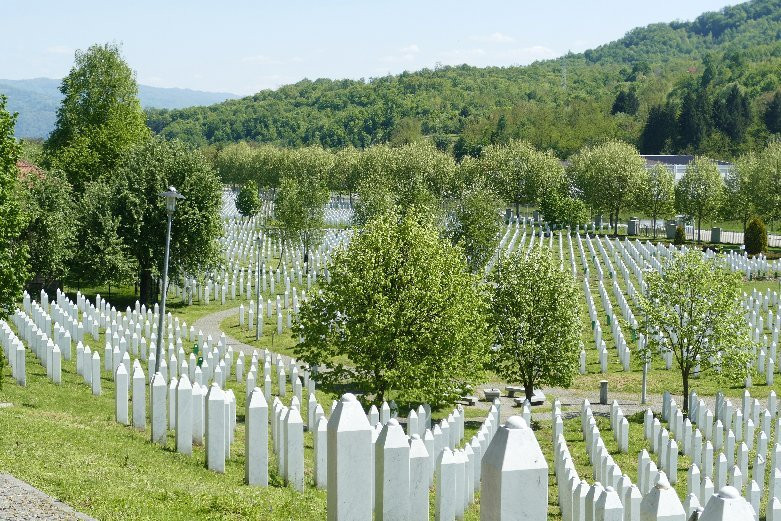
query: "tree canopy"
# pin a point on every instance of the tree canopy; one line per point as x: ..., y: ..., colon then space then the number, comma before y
x: 401, y: 315
x: 13, y: 251
x: 535, y: 313
x: 99, y: 119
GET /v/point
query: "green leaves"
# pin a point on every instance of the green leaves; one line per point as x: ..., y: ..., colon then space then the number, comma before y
x: 693, y: 308
x: 535, y: 313
x: 100, y: 117
x: 247, y: 201
x: 401, y: 315
x: 13, y: 252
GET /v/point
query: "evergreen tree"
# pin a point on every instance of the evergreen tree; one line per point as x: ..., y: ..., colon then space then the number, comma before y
x: 773, y: 114
x: 693, y: 121
x: 660, y: 130
x: 732, y: 112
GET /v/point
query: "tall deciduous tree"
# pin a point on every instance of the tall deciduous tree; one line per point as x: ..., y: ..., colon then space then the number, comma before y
x: 743, y: 189
x: 299, y: 210
x: 770, y: 174
x: 535, y: 313
x: 147, y: 170
x: 13, y: 251
x: 247, y: 200
x: 656, y: 193
x: 773, y: 114
x: 694, y: 308
x: 100, y: 117
x: 101, y: 258
x: 523, y: 174
x: 51, y: 225
x: 401, y: 315
x: 699, y: 192
x: 609, y: 176
x: 474, y: 223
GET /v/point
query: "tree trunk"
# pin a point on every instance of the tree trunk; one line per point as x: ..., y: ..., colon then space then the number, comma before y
x: 685, y: 378
x: 517, y: 210
x: 654, y: 221
x: 528, y: 390
x: 615, y: 225
x: 699, y: 229
x: 146, y: 286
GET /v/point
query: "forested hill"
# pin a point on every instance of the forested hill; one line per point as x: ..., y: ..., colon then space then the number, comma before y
x: 710, y: 85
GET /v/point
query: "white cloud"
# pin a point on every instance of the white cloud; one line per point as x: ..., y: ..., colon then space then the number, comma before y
x: 496, y: 37
x: 410, y: 49
x: 59, y: 49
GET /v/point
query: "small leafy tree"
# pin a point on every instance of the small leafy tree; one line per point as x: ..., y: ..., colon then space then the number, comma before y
x: 700, y: 190
x: 299, y: 210
x: 609, y: 176
x: 401, y: 314
x: 755, y: 237
x: 693, y: 307
x: 475, y: 225
x: 247, y: 201
x: 656, y: 193
x: 535, y: 313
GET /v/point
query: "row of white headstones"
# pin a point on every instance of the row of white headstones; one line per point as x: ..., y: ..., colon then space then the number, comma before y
x: 763, y: 310
x: 357, y: 455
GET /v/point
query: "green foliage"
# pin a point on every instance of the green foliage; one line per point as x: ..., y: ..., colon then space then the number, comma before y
x: 522, y: 174
x: 680, y: 236
x: 298, y: 209
x: 100, y: 117
x: 755, y: 237
x: 773, y: 114
x: 13, y: 250
x: 743, y: 189
x: 561, y: 104
x: 608, y: 176
x: 626, y: 102
x: 401, y: 314
x: 133, y: 194
x: 659, y: 132
x: 247, y: 201
x: 101, y: 257
x: 564, y: 210
x: 656, y: 193
x: 699, y: 192
x: 51, y: 225
x: 694, y: 308
x: 474, y: 224
x: 770, y: 181
x: 536, y: 316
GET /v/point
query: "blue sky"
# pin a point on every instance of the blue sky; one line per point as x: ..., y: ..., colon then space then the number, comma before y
x: 246, y: 46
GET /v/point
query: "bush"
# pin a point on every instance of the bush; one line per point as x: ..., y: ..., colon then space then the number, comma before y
x: 756, y: 237
x: 680, y: 236
x: 248, y: 202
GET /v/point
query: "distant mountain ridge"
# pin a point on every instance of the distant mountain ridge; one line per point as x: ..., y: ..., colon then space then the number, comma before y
x: 36, y: 100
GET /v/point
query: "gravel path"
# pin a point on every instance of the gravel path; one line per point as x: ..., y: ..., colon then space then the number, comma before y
x: 210, y: 325
x: 22, y: 502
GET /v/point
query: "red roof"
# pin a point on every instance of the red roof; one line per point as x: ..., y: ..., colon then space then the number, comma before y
x: 26, y: 169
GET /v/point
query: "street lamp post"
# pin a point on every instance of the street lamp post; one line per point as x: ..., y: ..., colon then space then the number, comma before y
x: 171, y: 196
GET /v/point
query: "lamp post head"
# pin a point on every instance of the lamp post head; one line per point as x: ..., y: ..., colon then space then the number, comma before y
x: 171, y: 196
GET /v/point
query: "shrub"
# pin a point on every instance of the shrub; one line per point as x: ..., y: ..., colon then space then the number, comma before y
x: 680, y: 236
x: 756, y: 237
